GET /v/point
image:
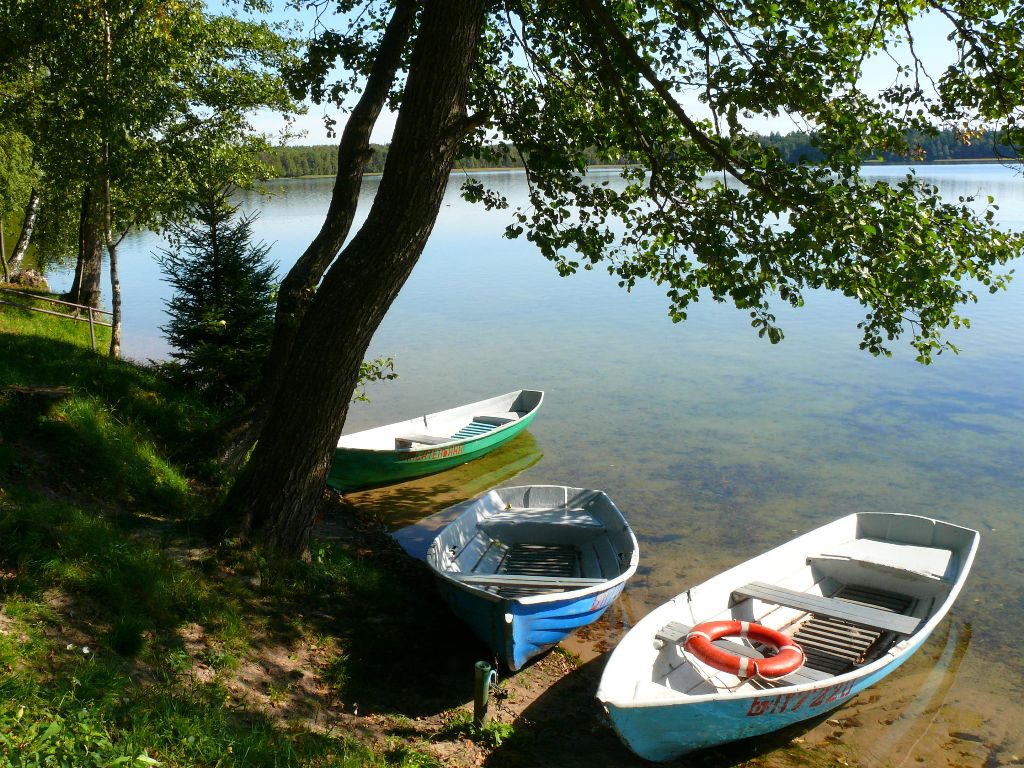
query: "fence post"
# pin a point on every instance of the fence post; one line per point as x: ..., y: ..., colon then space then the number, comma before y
x: 92, y: 330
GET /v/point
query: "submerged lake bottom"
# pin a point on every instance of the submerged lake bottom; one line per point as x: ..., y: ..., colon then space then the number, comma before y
x: 943, y: 707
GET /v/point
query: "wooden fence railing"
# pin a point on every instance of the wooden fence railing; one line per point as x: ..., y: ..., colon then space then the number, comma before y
x: 82, y: 309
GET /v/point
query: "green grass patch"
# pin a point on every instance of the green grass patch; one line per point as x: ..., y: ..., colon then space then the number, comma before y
x: 21, y: 320
x: 460, y: 725
x: 122, y: 635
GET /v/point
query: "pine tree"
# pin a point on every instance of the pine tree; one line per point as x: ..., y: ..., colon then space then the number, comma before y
x: 222, y: 310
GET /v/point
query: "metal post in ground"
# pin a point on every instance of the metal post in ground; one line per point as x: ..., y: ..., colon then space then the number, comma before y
x: 485, y: 678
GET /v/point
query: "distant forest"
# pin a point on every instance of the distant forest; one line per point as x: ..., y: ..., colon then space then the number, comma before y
x: 322, y: 160
x: 944, y: 147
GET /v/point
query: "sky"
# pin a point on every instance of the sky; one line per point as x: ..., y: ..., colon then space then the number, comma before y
x: 929, y: 33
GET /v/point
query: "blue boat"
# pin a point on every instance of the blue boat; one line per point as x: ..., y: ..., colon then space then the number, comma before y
x: 786, y: 636
x: 526, y: 566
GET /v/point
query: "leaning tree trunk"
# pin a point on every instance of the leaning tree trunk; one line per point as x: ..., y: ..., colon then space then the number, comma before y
x: 85, y: 289
x: 28, y: 226
x: 299, y: 286
x: 277, y: 494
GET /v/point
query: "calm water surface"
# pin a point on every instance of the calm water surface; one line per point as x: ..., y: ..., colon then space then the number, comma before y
x: 715, y: 444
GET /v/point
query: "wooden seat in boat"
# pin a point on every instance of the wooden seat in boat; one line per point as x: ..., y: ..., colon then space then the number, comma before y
x: 854, y: 613
x: 406, y: 441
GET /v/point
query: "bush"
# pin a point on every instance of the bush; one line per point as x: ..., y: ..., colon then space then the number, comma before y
x: 222, y: 310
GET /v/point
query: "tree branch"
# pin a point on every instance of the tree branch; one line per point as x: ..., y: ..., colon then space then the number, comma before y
x: 594, y: 10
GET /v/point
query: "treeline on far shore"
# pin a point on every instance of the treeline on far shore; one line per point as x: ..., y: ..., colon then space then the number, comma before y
x: 945, y: 146
x: 322, y: 160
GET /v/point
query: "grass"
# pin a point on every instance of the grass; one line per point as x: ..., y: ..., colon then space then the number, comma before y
x: 122, y: 632
x: 21, y: 319
x: 491, y: 733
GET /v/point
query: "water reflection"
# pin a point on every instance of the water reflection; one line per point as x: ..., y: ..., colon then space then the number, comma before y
x: 410, y: 509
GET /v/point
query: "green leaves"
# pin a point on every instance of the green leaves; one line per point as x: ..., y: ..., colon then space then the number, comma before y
x: 222, y: 311
x: 72, y: 734
x: 704, y: 209
x: 153, y: 96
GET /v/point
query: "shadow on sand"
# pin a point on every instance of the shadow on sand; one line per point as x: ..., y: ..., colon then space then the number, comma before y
x: 566, y: 726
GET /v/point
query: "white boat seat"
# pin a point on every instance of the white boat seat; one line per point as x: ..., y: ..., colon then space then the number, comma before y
x: 497, y: 419
x: 519, y: 580
x: 406, y: 441
x: 675, y: 632
x: 579, y: 518
x: 888, y: 556
x: 854, y: 613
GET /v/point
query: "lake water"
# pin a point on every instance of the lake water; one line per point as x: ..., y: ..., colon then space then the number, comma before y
x: 716, y: 444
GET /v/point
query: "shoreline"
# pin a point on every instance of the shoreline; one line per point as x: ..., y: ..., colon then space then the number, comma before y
x: 870, y: 163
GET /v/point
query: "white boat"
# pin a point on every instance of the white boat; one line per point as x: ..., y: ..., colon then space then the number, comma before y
x: 527, y: 565
x: 432, y: 443
x: 855, y: 598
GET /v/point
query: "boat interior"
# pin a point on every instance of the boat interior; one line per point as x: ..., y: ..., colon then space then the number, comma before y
x: 450, y: 426
x: 453, y: 431
x: 542, y: 542
x: 845, y: 608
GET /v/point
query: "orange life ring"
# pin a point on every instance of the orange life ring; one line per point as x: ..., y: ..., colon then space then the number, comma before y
x: 699, y: 642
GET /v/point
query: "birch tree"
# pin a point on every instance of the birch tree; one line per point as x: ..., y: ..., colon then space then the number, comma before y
x: 145, y: 102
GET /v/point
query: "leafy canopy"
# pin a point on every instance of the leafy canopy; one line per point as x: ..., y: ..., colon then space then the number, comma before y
x: 153, y: 95
x: 705, y: 210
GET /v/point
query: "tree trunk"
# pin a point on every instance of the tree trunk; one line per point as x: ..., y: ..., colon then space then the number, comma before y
x: 115, y: 278
x: 85, y: 289
x: 27, y: 228
x: 299, y: 286
x: 276, y: 496
x: 108, y: 206
x: 3, y: 251
x: 115, y: 302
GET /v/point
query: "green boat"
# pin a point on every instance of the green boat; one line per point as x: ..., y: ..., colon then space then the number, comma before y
x: 432, y: 443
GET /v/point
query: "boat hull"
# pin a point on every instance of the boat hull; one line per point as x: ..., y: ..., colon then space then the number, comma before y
x: 518, y: 632
x: 664, y: 732
x: 355, y: 468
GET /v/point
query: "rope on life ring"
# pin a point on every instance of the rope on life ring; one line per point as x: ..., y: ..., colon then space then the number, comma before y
x: 699, y: 642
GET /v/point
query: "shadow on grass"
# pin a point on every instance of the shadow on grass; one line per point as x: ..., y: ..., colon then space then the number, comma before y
x: 404, y: 652
x: 120, y: 634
